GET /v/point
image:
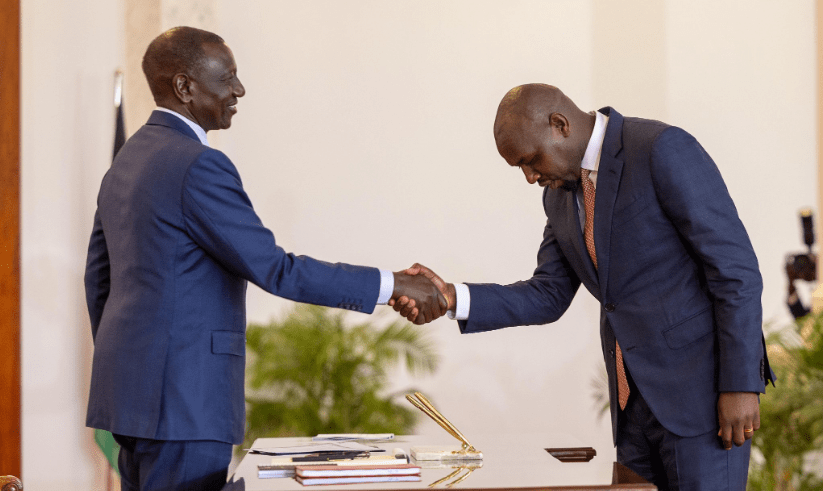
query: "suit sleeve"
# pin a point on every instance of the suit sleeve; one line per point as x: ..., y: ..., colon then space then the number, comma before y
x: 539, y: 300
x: 98, y: 275
x: 219, y: 217
x: 693, y: 195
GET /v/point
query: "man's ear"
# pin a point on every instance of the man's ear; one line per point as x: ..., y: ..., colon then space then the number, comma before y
x: 181, y: 84
x: 559, y: 124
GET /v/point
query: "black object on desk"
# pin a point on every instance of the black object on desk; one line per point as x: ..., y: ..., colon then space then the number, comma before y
x: 573, y: 454
x: 324, y: 456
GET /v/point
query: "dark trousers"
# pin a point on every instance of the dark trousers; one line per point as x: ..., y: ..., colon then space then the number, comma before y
x: 677, y: 463
x: 156, y: 465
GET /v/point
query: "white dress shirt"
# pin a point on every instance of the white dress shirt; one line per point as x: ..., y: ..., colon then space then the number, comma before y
x: 200, y: 132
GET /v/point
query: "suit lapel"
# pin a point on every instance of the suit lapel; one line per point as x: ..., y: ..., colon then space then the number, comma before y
x: 563, y: 214
x: 608, y: 181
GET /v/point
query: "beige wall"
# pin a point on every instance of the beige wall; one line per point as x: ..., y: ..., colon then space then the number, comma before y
x: 70, y: 51
x: 365, y: 137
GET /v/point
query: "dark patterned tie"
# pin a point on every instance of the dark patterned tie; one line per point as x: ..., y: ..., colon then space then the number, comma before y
x: 588, y: 234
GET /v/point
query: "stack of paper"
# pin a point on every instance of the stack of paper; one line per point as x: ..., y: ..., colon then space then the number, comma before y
x: 266, y: 471
x: 331, y: 474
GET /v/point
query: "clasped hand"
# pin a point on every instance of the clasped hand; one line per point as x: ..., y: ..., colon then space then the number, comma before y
x: 418, y: 310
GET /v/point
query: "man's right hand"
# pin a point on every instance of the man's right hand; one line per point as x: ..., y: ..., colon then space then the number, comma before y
x: 406, y: 306
x: 418, y: 297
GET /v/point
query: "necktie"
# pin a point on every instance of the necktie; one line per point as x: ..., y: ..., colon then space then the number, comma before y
x: 588, y: 235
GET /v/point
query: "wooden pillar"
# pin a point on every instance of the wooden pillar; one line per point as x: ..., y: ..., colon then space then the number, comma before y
x: 10, y: 238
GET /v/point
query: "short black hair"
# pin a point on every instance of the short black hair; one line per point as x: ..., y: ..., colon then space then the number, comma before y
x: 178, y: 50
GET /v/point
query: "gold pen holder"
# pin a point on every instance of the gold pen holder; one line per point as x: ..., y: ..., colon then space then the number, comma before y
x: 465, y: 451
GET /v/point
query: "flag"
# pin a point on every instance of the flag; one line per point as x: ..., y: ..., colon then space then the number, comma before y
x: 109, y: 447
x: 104, y: 439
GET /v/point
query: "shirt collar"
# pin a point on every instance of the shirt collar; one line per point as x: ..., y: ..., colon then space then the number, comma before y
x: 201, y: 134
x: 591, y: 159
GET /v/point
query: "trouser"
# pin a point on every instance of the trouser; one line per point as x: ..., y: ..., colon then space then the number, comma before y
x: 157, y: 465
x: 677, y: 463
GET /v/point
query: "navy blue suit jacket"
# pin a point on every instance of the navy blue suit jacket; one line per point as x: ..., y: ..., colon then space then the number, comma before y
x: 677, y: 278
x: 174, y: 243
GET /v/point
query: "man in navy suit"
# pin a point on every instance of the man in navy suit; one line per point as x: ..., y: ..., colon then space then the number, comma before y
x: 174, y: 243
x: 660, y: 245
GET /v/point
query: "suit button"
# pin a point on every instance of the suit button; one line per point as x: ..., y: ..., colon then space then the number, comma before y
x: 609, y: 307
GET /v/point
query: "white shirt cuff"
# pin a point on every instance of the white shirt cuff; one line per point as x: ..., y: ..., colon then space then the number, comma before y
x: 386, y: 287
x: 462, y: 303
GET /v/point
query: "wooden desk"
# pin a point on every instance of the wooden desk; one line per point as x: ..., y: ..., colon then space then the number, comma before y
x: 509, y: 461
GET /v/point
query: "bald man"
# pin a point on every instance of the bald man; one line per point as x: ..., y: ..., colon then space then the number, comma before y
x: 174, y: 244
x: 639, y: 214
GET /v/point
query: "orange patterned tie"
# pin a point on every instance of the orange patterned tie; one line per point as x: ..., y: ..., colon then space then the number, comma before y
x: 588, y: 234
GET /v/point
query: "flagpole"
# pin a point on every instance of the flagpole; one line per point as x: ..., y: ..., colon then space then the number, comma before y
x: 119, y: 119
x: 118, y: 88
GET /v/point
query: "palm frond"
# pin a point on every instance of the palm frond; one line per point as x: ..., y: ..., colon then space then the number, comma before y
x: 311, y: 373
x: 791, y: 416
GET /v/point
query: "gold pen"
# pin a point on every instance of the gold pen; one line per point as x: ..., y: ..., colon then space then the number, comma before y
x: 422, y: 403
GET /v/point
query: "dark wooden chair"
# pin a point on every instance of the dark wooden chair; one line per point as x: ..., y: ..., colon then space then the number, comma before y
x: 10, y: 483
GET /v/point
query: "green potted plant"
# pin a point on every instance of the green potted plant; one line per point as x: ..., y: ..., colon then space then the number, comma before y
x: 791, y: 414
x: 311, y: 373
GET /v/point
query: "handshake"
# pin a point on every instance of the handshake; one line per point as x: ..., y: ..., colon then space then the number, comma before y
x: 420, y: 295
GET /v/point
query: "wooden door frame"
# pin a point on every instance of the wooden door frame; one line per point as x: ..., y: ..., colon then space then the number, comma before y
x: 10, y: 452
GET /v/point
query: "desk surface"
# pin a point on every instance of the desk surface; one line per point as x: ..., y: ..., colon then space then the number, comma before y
x: 509, y: 461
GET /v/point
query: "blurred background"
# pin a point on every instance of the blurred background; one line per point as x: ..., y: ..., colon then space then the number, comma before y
x: 365, y: 136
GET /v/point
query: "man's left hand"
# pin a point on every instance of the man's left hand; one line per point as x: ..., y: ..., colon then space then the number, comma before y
x: 739, y: 416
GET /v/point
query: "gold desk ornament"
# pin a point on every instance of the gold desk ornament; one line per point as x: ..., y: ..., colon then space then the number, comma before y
x: 465, y: 452
x: 468, y: 467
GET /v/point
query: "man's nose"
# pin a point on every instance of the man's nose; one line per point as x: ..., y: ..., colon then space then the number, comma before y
x: 531, y: 176
x: 239, y: 90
